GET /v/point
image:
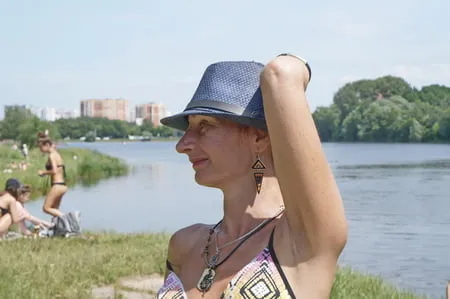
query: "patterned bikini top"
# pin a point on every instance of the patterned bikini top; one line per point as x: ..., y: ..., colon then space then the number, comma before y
x: 261, y: 278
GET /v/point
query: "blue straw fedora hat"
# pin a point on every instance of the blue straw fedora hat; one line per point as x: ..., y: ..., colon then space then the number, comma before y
x: 228, y: 89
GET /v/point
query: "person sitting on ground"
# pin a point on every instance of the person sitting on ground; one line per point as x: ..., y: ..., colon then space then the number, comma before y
x: 9, y: 214
x: 24, y: 216
x: 248, y: 131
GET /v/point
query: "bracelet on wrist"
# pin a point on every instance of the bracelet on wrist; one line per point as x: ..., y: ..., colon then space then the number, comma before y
x: 302, y: 60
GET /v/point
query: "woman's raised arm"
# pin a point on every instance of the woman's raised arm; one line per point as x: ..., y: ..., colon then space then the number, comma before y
x: 310, y: 193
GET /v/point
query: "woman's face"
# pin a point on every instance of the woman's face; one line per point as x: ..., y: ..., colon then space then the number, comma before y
x: 218, y: 150
x: 44, y: 148
x: 24, y: 197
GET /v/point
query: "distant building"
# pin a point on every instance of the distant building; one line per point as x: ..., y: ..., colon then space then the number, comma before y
x: 151, y: 111
x: 52, y: 114
x: 37, y: 111
x: 132, y: 115
x: 108, y: 108
x: 44, y: 113
x: 48, y: 114
x: 8, y: 108
x: 66, y: 113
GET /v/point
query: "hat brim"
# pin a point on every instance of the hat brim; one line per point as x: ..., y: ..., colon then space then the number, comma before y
x: 180, y: 122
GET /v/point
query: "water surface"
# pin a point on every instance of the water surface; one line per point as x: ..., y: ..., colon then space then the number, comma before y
x: 396, y: 198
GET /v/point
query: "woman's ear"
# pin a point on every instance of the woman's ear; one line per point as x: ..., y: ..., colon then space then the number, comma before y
x: 262, y: 140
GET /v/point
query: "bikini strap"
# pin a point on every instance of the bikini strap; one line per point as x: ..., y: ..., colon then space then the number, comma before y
x: 169, y: 265
x: 278, y: 265
x: 270, y: 245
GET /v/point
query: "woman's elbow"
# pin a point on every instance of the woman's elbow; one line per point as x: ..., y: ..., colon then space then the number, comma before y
x: 338, y: 238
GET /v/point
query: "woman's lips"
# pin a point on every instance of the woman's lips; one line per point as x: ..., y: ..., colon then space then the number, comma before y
x: 197, y: 163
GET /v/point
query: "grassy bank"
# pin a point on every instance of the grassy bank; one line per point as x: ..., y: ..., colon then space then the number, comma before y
x: 82, y: 166
x: 68, y: 268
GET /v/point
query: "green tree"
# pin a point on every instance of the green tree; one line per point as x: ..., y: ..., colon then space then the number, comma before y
x: 436, y: 95
x: 444, y: 126
x: 326, y: 120
x: 29, y: 128
x: 90, y: 136
x: 147, y: 135
x: 78, y: 127
x: 352, y: 94
x: 386, y: 109
x: 14, y: 117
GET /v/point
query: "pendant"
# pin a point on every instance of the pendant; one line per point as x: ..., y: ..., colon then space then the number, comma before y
x: 206, y: 280
x: 214, y: 259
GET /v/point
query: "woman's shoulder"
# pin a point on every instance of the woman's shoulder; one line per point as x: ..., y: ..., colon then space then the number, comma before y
x: 55, y: 153
x: 56, y: 156
x: 188, y: 235
x: 7, y: 198
x: 185, y: 239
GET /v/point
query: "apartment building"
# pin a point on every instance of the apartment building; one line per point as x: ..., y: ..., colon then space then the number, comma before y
x: 109, y: 108
x: 151, y: 111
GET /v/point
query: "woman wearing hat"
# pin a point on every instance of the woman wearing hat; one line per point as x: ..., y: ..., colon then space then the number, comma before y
x: 9, y: 212
x: 250, y: 133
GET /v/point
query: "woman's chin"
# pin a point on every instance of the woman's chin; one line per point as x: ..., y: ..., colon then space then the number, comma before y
x: 204, y: 179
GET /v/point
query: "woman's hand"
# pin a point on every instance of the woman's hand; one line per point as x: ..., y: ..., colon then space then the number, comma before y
x: 305, y: 75
x: 41, y: 173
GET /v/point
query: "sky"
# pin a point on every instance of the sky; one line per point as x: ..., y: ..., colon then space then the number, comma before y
x: 56, y: 53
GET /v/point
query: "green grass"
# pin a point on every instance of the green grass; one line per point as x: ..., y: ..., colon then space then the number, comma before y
x: 350, y: 284
x: 69, y: 268
x: 89, y: 167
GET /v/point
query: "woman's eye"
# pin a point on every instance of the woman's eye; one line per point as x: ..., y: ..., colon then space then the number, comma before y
x: 202, y: 128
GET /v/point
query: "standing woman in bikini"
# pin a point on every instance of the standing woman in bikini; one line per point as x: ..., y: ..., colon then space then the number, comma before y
x: 56, y: 170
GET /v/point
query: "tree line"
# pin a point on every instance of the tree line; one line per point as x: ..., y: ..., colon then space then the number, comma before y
x: 386, y: 109
x: 21, y: 125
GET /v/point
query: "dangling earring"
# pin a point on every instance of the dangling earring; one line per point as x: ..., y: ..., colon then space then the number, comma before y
x: 259, y: 165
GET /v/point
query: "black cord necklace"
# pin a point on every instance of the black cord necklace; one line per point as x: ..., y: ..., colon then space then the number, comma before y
x: 207, y: 278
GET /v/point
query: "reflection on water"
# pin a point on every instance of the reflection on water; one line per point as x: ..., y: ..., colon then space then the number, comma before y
x: 396, y: 199
x: 153, y: 173
x: 437, y: 164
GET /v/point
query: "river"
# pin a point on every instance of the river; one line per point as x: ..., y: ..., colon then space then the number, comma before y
x: 396, y: 198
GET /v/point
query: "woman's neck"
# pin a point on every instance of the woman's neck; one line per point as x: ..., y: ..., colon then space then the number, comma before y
x: 244, y: 209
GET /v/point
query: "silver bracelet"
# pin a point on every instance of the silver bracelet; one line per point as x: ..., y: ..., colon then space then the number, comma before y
x: 302, y: 60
